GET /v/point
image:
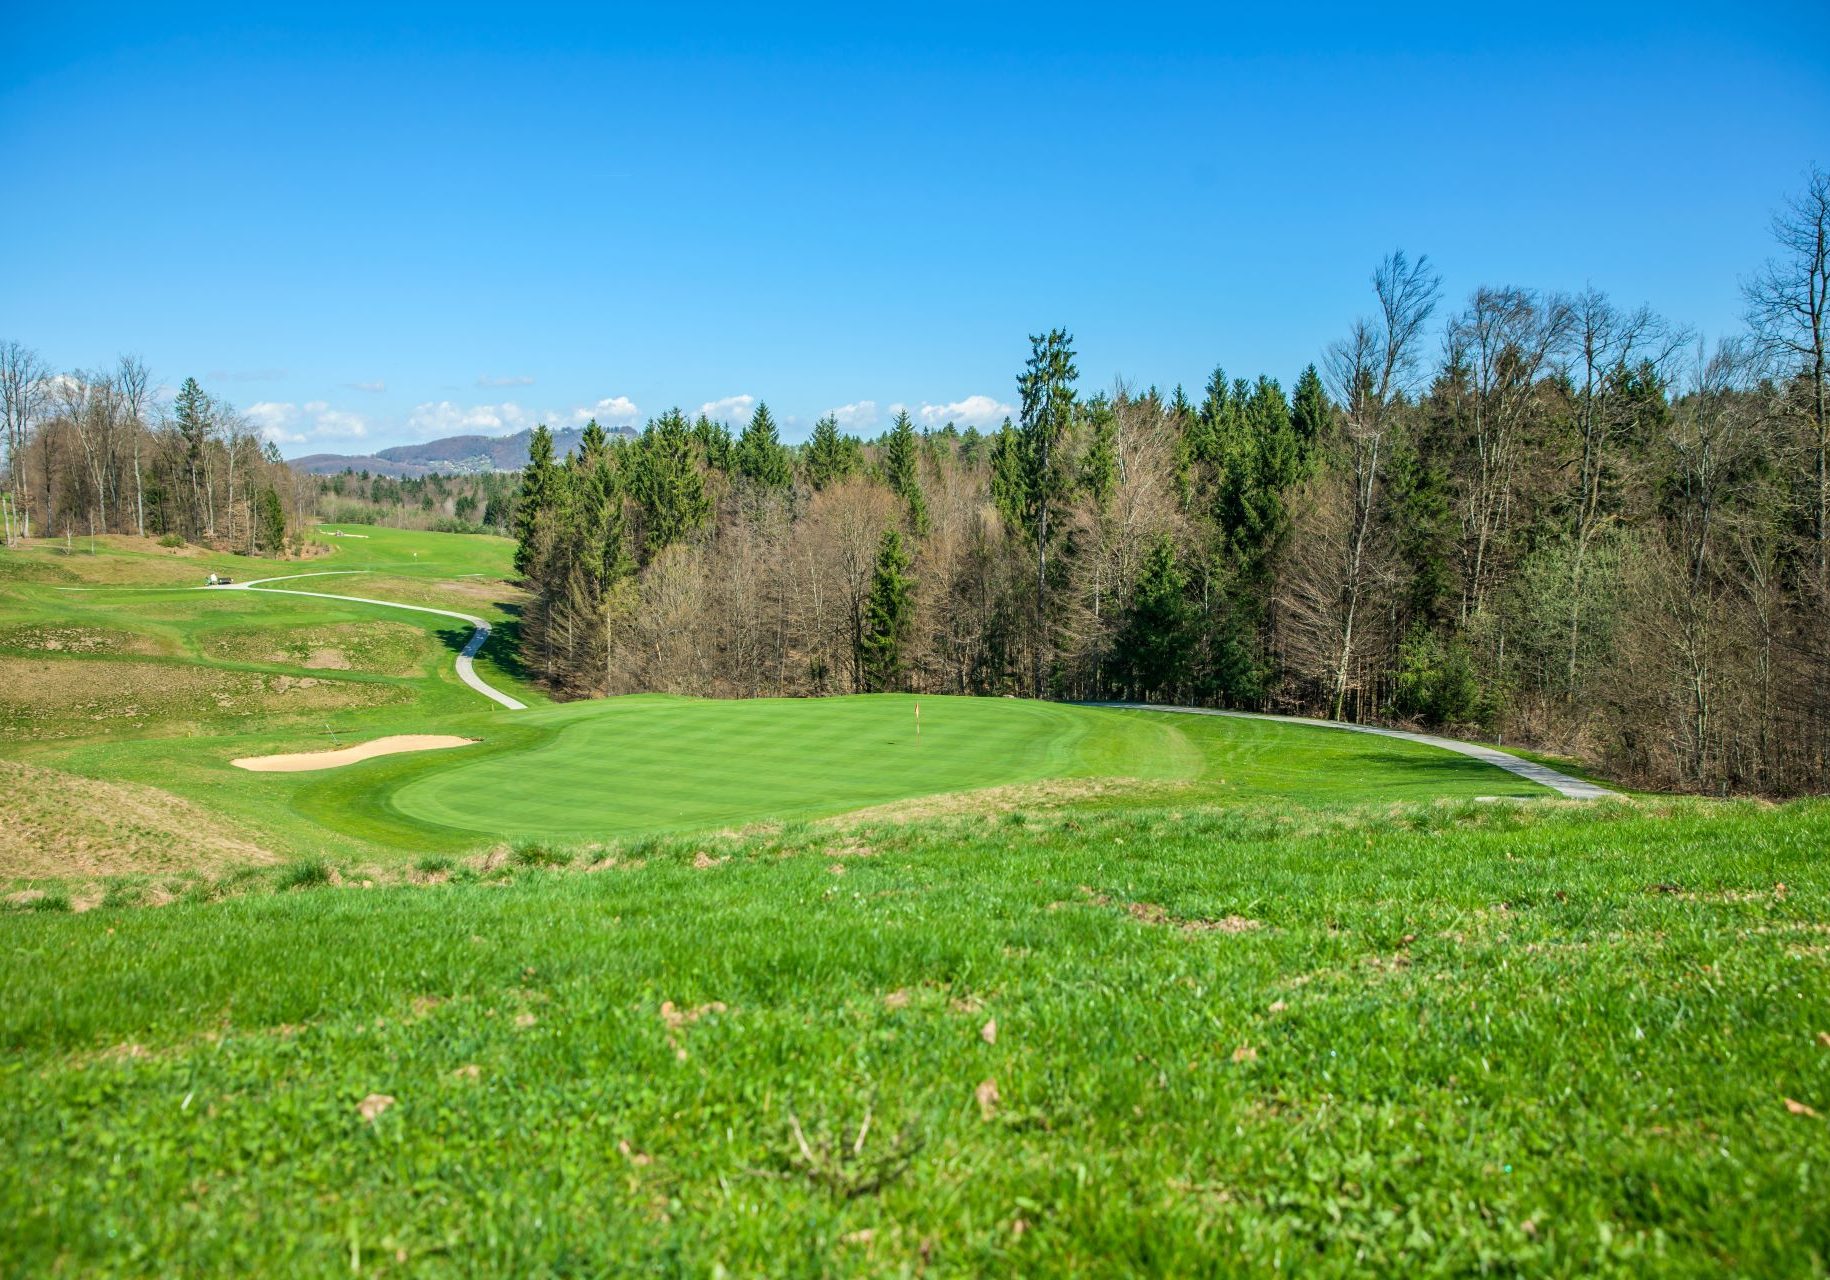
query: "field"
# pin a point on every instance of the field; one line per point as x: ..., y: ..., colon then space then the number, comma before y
x: 779, y: 987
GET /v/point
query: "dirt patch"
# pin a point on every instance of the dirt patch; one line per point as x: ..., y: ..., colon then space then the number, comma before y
x: 58, y: 824
x: 1152, y: 914
x: 306, y: 761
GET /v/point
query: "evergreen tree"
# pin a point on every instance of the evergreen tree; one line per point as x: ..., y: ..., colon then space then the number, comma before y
x: 760, y: 456
x: 191, y: 412
x: 971, y: 446
x: 1310, y: 413
x: 1046, y: 388
x: 666, y: 483
x: 538, y: 489
x: 902, y: 470
x: 1099, y: 465
x: 1155, y: 641
x: 829, y: 456
x: 715, y: 444
x: 889, y: 616
x: 269, y: 520
x: 597, y: 512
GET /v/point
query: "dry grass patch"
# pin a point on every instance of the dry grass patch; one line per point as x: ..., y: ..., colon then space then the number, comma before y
x: 47, y: 638
x: 38, y: 697
x: 59, y: 824
x: 992, y: 801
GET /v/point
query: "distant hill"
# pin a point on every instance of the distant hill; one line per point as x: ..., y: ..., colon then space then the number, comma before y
x: 453, y: 455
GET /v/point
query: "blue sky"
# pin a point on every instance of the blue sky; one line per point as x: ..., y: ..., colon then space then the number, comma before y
x: 368, y: 229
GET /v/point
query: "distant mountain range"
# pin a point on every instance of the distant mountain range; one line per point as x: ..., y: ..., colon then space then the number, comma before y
x: 453, y: 455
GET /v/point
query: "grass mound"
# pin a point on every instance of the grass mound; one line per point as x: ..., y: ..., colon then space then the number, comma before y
x: 56, y: 824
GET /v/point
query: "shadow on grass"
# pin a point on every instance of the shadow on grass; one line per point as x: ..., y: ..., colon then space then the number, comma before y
x: 503, y: 648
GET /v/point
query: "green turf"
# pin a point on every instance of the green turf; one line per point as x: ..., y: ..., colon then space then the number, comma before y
x: 1525, y: 1039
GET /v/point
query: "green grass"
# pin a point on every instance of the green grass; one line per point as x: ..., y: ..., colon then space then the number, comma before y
x: 1454, y: 1038
x: 669, y: 985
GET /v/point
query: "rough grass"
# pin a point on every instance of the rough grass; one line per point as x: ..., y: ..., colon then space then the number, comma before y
x: 1458, y: 1038
x: 55, y: 824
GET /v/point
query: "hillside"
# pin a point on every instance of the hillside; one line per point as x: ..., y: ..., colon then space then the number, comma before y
x: 452, y: 455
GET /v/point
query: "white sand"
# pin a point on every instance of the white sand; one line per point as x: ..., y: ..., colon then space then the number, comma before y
x: 307, y: 760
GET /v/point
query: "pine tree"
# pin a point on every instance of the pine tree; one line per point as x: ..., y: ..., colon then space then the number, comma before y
x: 715, y: 444
x: 1046, y: 388
x: 829, y: 456
x: 889, y: 616
x: 1310, y: 413
x: 270, y: 520
x: 760, y: 456
x: 666, y: 483
x: 538, y: 481
x: 191, y: 411
x: 1099, y: 465
x: 902, y: 470
x: 1155, y: 641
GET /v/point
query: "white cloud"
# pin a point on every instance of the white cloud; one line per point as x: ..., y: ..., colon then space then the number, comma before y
x: 973, y: 411
x: 512, y: 380
x: 859, y: 416
x: 610, y: 412
x: 729, y: 409
x: 444, y: 418
x: 285, y: 423
x: 373, y: 385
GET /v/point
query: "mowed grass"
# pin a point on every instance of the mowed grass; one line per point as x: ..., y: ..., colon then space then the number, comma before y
x: 632, y: 765
x: 1417, y: 1039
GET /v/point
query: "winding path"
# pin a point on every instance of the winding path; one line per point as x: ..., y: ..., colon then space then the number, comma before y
x: 466, y: 669
x: 1562, y: 783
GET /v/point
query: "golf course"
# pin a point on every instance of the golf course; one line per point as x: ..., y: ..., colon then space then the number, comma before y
x: 321, y: 959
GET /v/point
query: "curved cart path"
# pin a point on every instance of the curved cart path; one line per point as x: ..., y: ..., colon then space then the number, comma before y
x: 466, y: 669
x: 1562, y: 783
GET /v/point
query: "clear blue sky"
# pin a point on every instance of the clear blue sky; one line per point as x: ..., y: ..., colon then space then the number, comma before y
x: 369, y: 229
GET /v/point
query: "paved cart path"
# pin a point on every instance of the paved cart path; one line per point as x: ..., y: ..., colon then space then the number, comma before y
x: 466, y: 669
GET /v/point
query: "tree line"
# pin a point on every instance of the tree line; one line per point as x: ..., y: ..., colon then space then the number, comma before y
x: 474, y: 502
x: 93, y: 452
x: 1551, y: 518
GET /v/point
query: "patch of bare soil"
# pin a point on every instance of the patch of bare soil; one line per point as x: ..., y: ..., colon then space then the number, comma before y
x: 306, y: 761
x: 1151, y: 913
x: 58, y: 824
x: 1051, y: 794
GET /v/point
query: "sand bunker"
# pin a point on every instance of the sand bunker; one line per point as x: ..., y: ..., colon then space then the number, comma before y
x: 304, y: 761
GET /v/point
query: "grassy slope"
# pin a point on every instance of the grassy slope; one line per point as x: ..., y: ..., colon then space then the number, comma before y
x: 1458, y: 1038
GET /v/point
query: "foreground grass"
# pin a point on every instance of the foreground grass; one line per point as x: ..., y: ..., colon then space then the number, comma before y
x: 1445, y: 1039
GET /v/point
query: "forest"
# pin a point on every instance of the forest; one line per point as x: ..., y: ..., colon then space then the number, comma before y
x: 94, y: 452
x: 1558, y: 520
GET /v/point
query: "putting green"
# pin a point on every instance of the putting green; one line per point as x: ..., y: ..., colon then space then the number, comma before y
x: 656, y: 764
x: 636, y: 765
